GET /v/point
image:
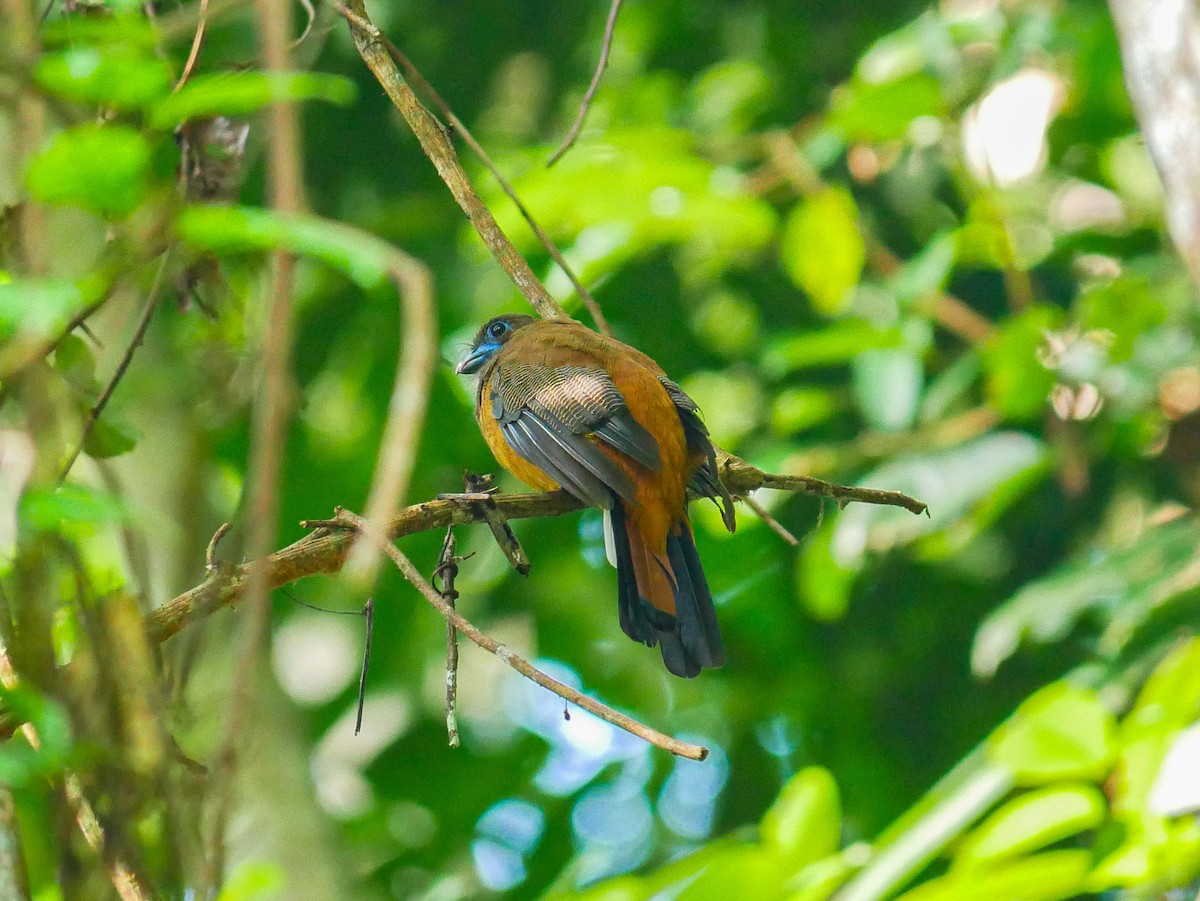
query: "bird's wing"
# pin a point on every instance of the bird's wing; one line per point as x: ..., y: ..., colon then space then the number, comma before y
x: 556, y: 417
x: 705, y: 482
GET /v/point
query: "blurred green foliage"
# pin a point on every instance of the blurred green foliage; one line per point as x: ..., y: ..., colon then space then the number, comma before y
x: 911, y: 246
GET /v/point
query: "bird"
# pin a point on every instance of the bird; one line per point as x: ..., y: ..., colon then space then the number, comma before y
x: 564, y: 407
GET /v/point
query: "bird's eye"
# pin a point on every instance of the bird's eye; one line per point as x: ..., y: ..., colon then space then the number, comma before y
x: 497, y: 329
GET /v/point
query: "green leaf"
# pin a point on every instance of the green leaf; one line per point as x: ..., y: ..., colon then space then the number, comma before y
x: 1061, y: 732
x: 1042, y: 877
x: 822, y: 249
x: 253, y: 880
x: 883, y: 112
x: 37, y: 306
x: 1031, y: 821
x: 838, y: 342
x: 21, y: 764
x: 823, y: 582
x: 805, y: 822
x: 73, y: 358
x: 231, y: 229
x: 1017, y: 382
x: 956, y: 482
x: 109, y: 437
x: 241, y: 93
x: 887, y: 386
x: 796, y: 409
x: 52, y: 510
x: 103, y: 168
x: 925, y: 275
x: 118, y: 77
x: 1170, y: 698
x: 1120, y: 588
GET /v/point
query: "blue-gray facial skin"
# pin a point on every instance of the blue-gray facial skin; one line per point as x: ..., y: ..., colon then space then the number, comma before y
x: 489, y: 339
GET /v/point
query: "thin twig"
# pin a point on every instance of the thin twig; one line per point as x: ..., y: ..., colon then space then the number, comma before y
x: 406, y: 407
x: 447, y: 572
x: 610, y: 28
x: 368, y: 613
x: 437, y: 147
x: 479, y: 491
x: 460, y: 128
x: 210, y: 553
x: 135, y: 342
x: 197, y: 43
x: 520, y: 664
x: 775, y: 525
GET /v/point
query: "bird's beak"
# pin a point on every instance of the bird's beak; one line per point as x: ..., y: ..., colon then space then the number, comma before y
x: 474, y: 360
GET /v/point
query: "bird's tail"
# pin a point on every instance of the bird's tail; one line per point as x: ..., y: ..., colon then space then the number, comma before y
x: 664, y: 601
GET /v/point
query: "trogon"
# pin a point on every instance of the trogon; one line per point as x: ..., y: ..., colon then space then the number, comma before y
x: 561, y: 406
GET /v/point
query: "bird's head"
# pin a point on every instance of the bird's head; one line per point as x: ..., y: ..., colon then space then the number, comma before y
x: 491, y: 336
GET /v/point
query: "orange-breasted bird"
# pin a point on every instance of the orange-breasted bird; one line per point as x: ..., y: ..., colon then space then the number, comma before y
x: 561, y: 406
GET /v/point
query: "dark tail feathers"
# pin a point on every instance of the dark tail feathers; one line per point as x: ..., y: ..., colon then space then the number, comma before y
x: 690, y: 640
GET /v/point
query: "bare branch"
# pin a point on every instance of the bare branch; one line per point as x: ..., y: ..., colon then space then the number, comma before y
x: 517, y: 662
x: 407, y: 406
x: 135, y: 342
x: 610, y: 28
x: 461, y: 129
x: 324, y: 551
x: 437, y: 147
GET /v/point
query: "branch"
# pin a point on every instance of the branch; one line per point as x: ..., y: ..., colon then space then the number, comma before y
x: 135, y: 342
x: 605, y: 47
x: 520, y: 664
x: 408, y: 404
x: 460, y: 128
x: 324, y: 550
x: 437, y: 147
x: 1160, y: 51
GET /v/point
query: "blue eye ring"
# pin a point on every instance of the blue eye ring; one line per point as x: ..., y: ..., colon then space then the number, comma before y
x: 497, y: 329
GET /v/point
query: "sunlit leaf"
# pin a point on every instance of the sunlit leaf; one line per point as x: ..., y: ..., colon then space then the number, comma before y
x: 822, y: 249
x: 241, y: 93
x: 37, y: 306
x: 1061, y: 732
x: 70, y: 505
x: 1017, y: 382
x: 837, y: 342
x: 1042, y: 877
x: 230, y: 229
x: 103, y: 168
x: 952, y: 482
x: 883, y: 112
x: 1119, y: 586
x: 118, y: 77
x: 1030, y: 821
x: 805, y: 823
x: 887, y: 385
x: 110, y: 437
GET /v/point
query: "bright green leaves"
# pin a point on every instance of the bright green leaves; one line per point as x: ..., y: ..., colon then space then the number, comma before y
x: 823, y: 250
x: 1033, y: 820
x: 240, y: 93
x: 1119, y: 587
x: 102, y: 168
x: 643, y: 188
x: 804, y: 824
x: 228, y: 229
x: 1062, y: 732
x: 20, y: 763
x: 862, y: 111
x: 1050, y: 876
x: 119, y: 77
x: 1017, y: 384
